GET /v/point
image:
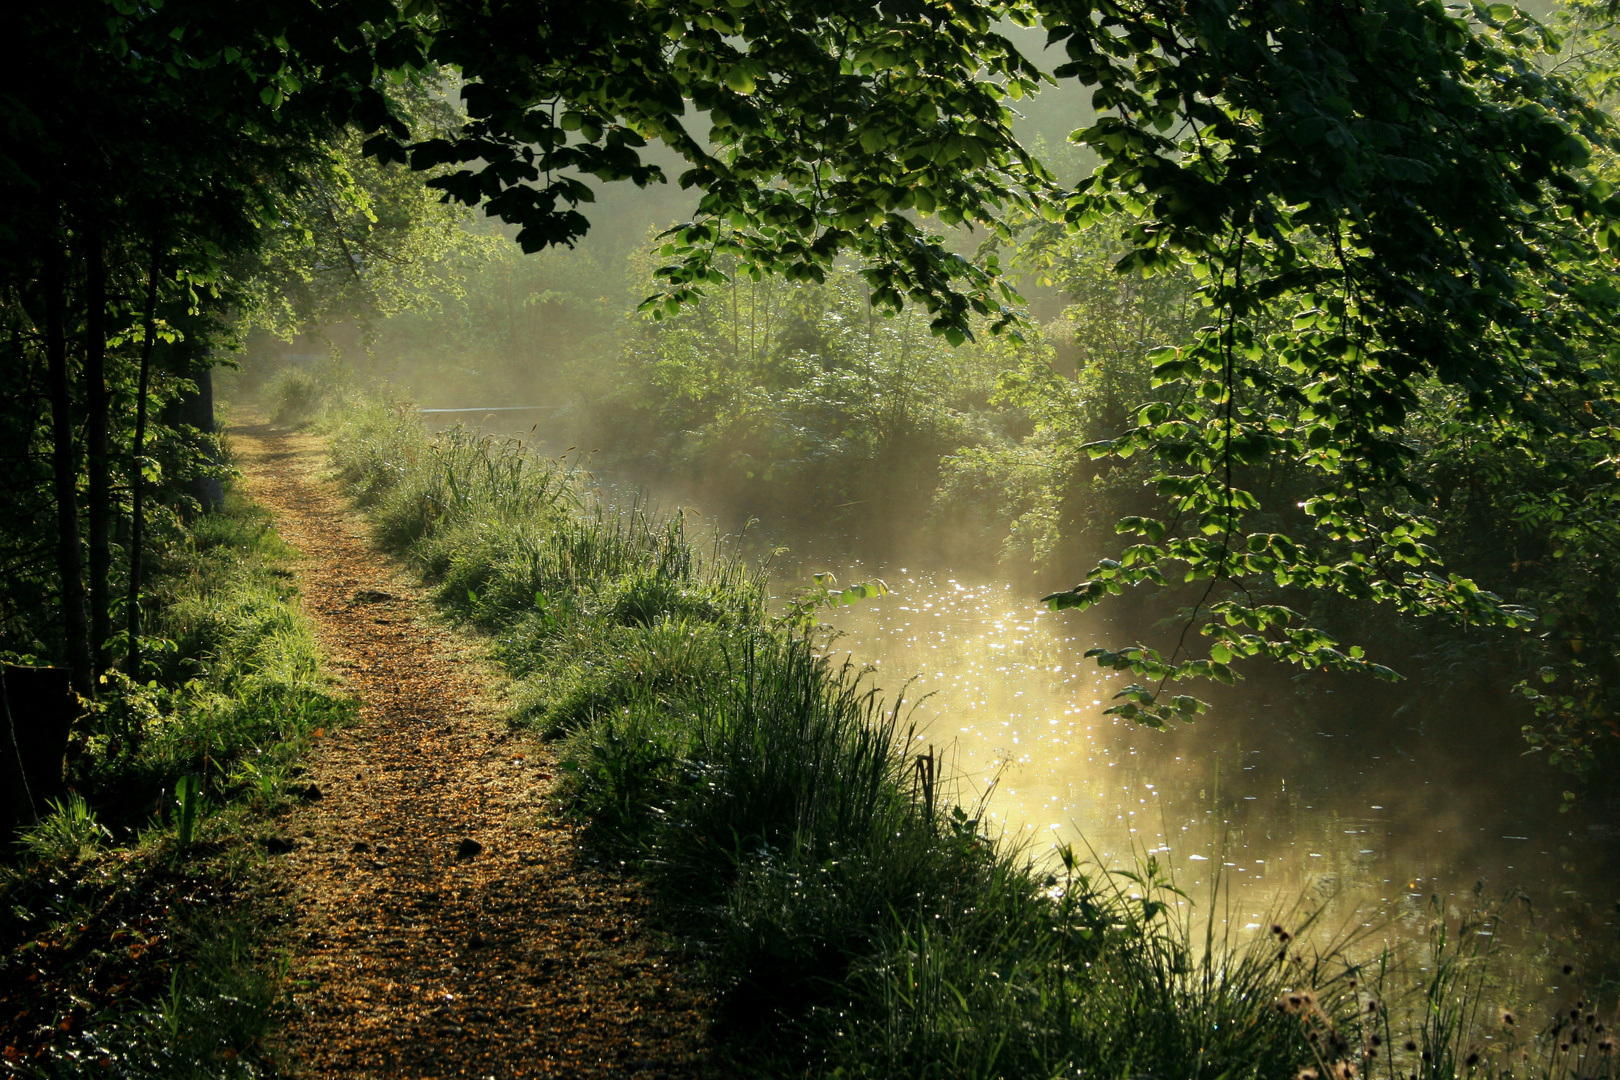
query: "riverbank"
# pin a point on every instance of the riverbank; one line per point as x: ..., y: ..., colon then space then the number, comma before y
x: 854, y: 916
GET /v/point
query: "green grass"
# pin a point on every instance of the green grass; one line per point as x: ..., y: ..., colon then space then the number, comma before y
x: 858, y: 921
x: 236, y: 689
x: 296, y: 395
x: 150, y: 954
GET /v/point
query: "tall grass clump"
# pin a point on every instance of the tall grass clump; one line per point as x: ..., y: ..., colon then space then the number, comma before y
x: 297, y: 395
x: 860, y: 920
x: 510, y: 537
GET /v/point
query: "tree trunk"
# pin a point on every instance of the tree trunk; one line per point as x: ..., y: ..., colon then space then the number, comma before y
x: 195, y: 410
x: 97, y: 418
x: 137, y: 476
x: 69, y: 564
x: 37, y: 712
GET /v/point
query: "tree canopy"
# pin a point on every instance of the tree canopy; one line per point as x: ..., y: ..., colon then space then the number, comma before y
x: 1382, y: 202
x: 1395, y: 211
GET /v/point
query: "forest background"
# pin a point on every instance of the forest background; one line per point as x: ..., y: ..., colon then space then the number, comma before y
x: 1320, y: 311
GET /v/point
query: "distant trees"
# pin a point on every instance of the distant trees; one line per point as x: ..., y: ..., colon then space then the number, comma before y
x: 1388, y: 208
x: 1380, y: 201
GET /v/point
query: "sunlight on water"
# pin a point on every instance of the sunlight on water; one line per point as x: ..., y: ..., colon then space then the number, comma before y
x: 1295, y: 793
x: 1379, y: 815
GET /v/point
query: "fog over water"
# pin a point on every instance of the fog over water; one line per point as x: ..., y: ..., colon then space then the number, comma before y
x: 1291, y: 796
x: 1370, y: 802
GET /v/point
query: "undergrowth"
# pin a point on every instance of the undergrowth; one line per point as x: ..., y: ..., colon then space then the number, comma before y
x: 127, y: 947
x: 860, y: 922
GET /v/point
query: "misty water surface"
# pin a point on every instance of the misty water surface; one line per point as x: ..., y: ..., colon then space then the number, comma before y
x: 1324, y: 792
x: 1291, y: 796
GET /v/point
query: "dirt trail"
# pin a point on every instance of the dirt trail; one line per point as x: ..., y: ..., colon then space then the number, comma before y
x: 447, y: 926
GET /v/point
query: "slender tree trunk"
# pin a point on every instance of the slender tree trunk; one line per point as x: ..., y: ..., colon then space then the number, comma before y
x: 69, y: 561
x: 196, y: 411
x: 137, y: 477
x: 97, y: 418
x: 513, y: 350
x: 770, y: 315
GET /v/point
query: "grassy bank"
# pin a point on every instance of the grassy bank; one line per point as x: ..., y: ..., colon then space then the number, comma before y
x: 859, y: 921
x: 133, y: 934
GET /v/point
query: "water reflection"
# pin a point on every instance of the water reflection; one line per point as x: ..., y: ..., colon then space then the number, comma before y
x: 1340, y: 795
x: 1330, y: 790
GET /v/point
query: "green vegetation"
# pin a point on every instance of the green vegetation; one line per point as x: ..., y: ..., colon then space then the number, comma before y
x: 857, y: 917
x: 1342, y: 334
x: 1354, y: 237
x: 131, y: 916
x: 239, y: 687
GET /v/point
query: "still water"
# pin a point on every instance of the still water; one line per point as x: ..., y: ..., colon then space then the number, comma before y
x: 1291, y: 792
x: 1375, y: 808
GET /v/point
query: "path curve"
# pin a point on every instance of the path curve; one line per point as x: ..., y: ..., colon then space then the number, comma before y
x: 447, y: 925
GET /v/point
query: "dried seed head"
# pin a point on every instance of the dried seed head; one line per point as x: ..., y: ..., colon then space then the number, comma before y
x: 1290, y: 1003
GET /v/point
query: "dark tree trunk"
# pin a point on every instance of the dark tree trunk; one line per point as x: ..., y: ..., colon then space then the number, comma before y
x: 196, y: 410
x: 137, y: 477
x: 69, y: 564
x: 37, y: 711
x: 97, y: 418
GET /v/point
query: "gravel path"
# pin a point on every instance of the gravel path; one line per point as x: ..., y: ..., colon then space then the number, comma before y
x: 447, y: 924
